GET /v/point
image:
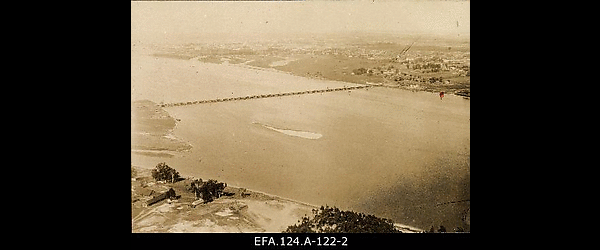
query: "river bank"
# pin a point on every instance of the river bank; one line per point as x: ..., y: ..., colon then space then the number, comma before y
x: 242, y: 211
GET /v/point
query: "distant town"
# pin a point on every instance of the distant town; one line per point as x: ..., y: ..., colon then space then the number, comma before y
x: 413, y: 63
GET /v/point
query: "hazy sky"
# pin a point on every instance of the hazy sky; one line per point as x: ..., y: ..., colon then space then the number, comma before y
x: 161, y: 20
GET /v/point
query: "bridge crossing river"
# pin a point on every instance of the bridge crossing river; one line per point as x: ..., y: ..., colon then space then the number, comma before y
x: 250, y: 97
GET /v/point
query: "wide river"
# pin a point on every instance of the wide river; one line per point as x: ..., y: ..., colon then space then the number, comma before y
x: 393, y: 153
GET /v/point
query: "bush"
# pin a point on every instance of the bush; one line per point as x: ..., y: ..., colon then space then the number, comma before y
x: 163, y: 172
x: 359, y: 71
x: 442, y: 229
x: 334, y: 220
x: 194, y: 185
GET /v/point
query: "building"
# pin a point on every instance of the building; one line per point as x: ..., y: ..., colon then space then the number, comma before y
x: 160, y: 197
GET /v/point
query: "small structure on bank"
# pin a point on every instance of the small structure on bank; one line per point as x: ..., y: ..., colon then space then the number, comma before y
x: 160, y: 197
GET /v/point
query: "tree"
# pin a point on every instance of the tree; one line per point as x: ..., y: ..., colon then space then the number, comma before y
x: 359, y: 71
x: 195, y: 187
x: 209, y: 190
x: 333, y: 220
x: 163, y: 172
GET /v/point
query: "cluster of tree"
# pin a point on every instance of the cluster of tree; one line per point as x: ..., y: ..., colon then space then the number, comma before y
x: 317, y: 74
x: 163, y: 172
x: 434, y: 79
x: 463, y: 92
x: 333, y: 220
x: 359, y: 71
x: 379, y: 70
x: 442, y: 229
x: 407, y: 78
x: 207, y: 191
x: 427, y: 66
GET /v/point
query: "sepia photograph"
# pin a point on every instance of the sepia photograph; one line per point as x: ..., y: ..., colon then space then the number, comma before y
x: 314, y: 116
